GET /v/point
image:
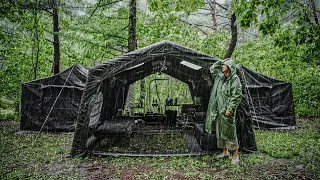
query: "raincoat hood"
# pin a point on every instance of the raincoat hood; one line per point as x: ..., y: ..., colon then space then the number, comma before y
x: 232, y: 66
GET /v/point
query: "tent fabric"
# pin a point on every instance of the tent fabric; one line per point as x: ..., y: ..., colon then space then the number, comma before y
x: 60, y: 95
x: 114, y: 128
x: 107, y: 87
x: 270, y: 100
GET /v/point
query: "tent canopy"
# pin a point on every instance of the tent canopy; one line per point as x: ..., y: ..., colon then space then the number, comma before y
x: 52, y: 103
x: 108, y: 83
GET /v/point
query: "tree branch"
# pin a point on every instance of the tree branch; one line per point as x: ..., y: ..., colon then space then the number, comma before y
x: 50, y: 41
x: 234, y: 37
x: 227, y: 17
x: 224, y: 23
x: 89, y: 7
x: 94, y: 10
x: 48, y: 31
x: 198, y: 25
x: 125, y: 27
x: 46, y: 10
x: 206, y: 14
x: 250, y: 33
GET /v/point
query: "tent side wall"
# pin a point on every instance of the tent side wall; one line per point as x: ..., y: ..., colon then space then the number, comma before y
x: 37, y: 103
x: 58, y: 96
x: 283, y: 107
x: 31, y: 103
x: 63, y: 109
x: 270, y: 100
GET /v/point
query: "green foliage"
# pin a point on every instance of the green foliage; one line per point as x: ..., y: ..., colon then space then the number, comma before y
x: 160, y: 26
x: 83, y: 41
x: 306, y: 37
x: 175, y: 5
x: 23, y: 158
x: 264, y: 57
x: 294, y: 19
x: 89, y: 38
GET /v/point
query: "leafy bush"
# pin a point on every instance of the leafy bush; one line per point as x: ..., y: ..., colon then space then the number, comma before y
x: 7, y: 109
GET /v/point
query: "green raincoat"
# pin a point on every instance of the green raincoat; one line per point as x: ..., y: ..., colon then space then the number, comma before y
x: 226, y: 95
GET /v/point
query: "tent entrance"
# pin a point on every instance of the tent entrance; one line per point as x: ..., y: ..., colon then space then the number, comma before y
x: 160, y: 122
x: 158, y: 101
x: 157, y: 93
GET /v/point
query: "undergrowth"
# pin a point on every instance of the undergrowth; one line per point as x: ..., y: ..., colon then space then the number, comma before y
x: 284, y: 154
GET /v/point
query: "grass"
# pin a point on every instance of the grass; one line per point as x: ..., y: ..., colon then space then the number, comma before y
x: 284, y: 154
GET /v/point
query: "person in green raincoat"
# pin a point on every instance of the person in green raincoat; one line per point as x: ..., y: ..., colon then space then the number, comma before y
x: 225, y: 97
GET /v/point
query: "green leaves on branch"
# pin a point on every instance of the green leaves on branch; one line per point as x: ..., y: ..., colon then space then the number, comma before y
x: 175, y: 5
x: 294, y: 20
x: 265, y: 15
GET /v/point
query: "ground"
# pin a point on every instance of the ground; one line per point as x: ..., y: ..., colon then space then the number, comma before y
x: 285, y: 154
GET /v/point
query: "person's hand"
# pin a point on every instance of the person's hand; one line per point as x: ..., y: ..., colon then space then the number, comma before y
x: 228, y: 113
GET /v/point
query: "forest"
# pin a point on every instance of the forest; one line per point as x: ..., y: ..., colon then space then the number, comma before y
x: 277, y: 38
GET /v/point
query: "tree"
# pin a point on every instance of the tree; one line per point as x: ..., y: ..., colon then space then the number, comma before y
x: 56, y: 43
x: 132, y: 45
x: 296, y: 21
x: 207, y: 7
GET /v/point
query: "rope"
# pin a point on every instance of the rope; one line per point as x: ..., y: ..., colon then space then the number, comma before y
x: 53, y: 106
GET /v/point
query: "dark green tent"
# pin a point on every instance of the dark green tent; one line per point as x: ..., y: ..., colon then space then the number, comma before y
x: 52, y: 103
x: 268, y: 103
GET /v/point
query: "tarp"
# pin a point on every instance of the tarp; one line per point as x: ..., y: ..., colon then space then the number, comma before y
x: 107, y: 88
x: 52, y: 103
x: 270, y: 100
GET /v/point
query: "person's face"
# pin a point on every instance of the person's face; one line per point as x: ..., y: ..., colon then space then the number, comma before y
x: 225, y: 68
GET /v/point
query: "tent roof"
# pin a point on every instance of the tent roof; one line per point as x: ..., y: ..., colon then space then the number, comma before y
x: 165, y: 56
x: 74, y: 76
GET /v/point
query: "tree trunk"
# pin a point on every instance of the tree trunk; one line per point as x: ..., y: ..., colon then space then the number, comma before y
x: 315, y: 12
x: 132, y: 41
x: 234, y: 34
x: 132, y: 45
x: 56, y: 44
x: 213, y: 12
x: 36, y: 43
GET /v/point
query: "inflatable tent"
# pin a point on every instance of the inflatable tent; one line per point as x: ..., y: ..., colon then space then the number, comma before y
x: 267, y: 103
x: 52, y: 103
